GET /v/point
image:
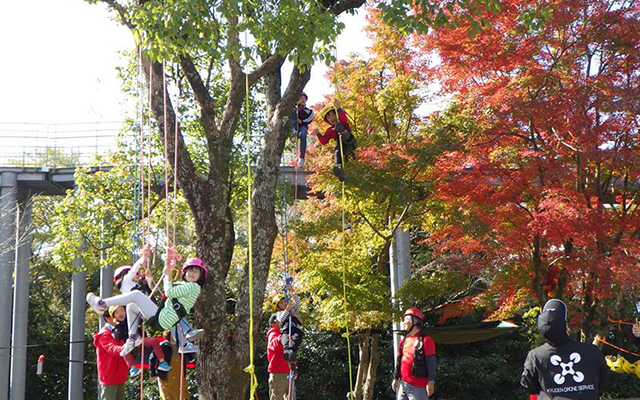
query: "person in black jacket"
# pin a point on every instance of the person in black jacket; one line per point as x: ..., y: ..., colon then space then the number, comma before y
x: 563, y: 369
x: 636, y: 334
x: 169, y: 381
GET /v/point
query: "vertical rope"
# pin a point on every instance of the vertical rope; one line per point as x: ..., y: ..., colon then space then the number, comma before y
x: 175, y: 165
x: 142, y: 366
x: 344, y: 266
x: 251, y: 368
x: 180, y: 332
x: 166, y: 155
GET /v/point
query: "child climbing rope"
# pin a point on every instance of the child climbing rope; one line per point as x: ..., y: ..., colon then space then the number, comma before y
x: 121, y: 332
x: 181, y: 298
x: 128, y: 278
x: 169, y: 381
x: 291, y: 327
x: 301, y: 117
x: 340, y: 131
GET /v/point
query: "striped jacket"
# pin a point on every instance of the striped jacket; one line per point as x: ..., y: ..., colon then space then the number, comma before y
x: 185, y: 292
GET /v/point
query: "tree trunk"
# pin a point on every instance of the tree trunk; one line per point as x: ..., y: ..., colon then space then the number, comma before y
x: 363, y: 363
x: 374, y: 358
x: 367, y: 365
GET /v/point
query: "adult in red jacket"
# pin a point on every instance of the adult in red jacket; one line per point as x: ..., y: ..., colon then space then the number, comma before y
x: 112, y: 369
x: 416, y: 365
x: 278, y: 367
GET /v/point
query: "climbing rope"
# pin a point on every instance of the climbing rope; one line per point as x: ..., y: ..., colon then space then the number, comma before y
x: 343, y: 244
x: 603, y: 341
x: 250, y: 369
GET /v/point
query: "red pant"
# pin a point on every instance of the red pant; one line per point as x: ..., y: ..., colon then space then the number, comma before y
x: 148, y: 342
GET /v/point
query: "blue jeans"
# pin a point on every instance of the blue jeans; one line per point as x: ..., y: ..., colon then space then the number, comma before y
x: 185, y: 327
x: 302, y: 135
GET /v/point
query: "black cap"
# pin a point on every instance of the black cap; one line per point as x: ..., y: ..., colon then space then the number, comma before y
x: 552, y: 322
x: 272, y: 319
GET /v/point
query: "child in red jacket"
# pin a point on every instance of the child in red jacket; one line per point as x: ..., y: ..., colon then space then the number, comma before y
x: 340, y: 131
x: 112, y: 369
x: 278, y: 367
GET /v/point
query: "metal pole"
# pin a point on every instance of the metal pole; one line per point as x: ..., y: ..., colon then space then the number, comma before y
x: 76, y: 346
x: 21, y: 297
x: 8, y: 201
x: 400, y: 258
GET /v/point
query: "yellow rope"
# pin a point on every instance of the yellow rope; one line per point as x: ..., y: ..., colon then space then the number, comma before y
x: 344, y: 267
x: 344, y: 276
x: 251, y: 368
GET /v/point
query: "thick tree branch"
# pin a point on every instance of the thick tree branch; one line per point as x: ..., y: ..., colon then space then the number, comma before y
x: 268, y: 65
x: 195, y: 81
x: 346, y: 5
x: 122, y: 12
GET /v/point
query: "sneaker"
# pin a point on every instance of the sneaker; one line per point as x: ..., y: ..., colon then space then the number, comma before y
x: 128, y: 347
x: 301, y: 163
x: 188, y: 348
x: 339, y: 172
x: 96, y: 302
x: 194, y: 334
x: 134, y: 371
x: 163, y: 366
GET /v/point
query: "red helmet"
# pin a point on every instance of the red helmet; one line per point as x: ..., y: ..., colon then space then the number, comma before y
x: 120, y: 272
x: 195, y: 262
x: 414, y: 312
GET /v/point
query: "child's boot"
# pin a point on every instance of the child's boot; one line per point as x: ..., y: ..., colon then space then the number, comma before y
x: 339, y: 172
x: 188, y: 348
x: 194, y: 334
x: 163, y: 366
x: 134, y: 371
x: 96, y: 302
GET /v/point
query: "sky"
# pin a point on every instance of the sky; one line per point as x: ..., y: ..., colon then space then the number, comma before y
x: 60, y: 67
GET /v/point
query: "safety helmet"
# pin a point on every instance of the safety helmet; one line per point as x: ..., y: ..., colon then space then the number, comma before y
x: 112, y: 310
x: 325, y: 111
x: 276, y: 300
x: 120, y: 272
x: 414, y: 312
x: 195, y: 262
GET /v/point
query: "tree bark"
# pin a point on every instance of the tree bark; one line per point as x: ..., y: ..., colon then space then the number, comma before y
x: 374, y: 358
x: 363, y: 363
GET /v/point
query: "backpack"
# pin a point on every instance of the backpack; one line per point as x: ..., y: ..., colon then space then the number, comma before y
x: 419, y: 366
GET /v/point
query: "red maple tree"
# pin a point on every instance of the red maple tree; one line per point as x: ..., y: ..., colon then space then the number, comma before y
x: 544, y: 196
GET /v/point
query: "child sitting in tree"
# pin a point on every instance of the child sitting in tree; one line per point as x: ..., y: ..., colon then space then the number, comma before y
x: 120, y: 332
x: 288, y: 313
x: 302, y: 116
x: 340, y: 131
x: 181, y: 298
x: 127, y: 278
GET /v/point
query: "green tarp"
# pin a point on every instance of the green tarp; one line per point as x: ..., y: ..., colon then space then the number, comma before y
x: 469, y: 333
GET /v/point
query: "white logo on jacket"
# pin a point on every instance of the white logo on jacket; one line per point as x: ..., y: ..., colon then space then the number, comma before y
x: 567, y: 368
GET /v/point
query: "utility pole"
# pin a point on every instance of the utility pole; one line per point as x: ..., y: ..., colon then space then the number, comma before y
x: 400, y: 258
x: 8, y: 202
x: 21, y: 296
